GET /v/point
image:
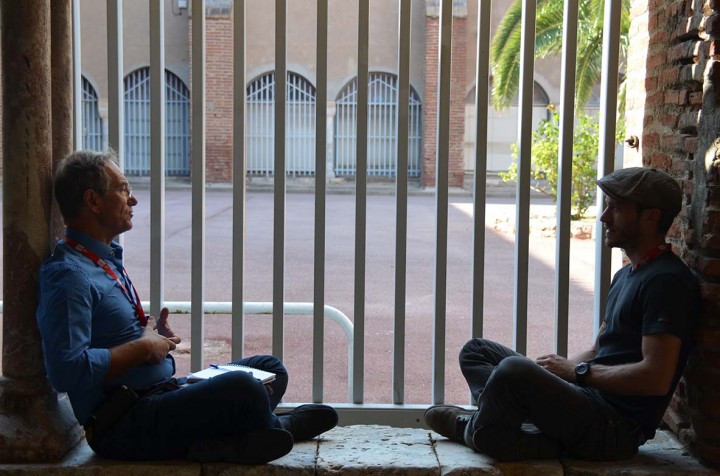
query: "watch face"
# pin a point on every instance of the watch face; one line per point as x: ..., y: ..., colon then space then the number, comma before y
x: 582, y: 369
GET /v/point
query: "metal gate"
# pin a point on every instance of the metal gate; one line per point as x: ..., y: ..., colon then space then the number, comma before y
x: 300, y: 126
x: 92, y: 134
x: 382, y: 131
x: 137, y: 124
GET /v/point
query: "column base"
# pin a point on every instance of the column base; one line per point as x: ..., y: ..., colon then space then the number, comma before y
x: 37, y: 425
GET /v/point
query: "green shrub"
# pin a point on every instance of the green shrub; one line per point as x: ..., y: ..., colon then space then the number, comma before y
x: 545, y: 166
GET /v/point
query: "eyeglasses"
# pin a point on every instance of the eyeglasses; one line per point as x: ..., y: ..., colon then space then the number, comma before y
x: 125, y: 190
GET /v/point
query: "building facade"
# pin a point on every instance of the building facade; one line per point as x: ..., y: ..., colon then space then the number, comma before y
x: 301, y: 108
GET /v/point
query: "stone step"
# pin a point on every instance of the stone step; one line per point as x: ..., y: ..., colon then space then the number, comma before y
x: 383, y: 450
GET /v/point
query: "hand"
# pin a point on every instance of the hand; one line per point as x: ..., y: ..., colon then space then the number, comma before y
x: 157, y: 346
x: 560, y: 366
x: 163, y: 327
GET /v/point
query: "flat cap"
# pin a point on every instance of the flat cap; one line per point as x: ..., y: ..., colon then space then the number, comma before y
x: 649, y: 188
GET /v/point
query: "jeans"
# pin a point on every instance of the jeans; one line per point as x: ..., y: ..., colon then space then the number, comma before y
x: 162, y: 425
x: 512, y: 391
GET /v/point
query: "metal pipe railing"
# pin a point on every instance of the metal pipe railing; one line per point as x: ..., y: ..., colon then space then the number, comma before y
x: 266, y: 308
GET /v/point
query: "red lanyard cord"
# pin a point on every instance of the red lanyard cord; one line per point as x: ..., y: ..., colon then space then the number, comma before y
x: 139, y: 312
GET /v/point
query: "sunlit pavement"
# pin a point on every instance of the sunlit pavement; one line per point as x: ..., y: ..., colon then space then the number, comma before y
x: 420, y: 305
x: 379, y: 284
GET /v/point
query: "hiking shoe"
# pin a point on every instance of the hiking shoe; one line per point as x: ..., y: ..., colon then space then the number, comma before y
x: 448, y: 420
x: 256, y: 447
x: 308, y: 421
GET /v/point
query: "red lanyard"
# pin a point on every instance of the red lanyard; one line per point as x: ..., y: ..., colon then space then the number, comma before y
x: 139, y: 312
x: 654, y: 253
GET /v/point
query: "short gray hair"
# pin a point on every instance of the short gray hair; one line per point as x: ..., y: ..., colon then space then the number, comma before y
x: 80, y: 171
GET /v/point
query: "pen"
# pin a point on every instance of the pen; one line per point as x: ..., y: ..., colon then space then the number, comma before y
x: 214, y: 366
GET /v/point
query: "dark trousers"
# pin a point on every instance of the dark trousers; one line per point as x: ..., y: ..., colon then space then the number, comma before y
x: 164, y: 424
x: 512, y: 391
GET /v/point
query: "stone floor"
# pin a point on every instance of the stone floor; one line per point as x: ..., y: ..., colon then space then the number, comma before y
x: 383, y: 450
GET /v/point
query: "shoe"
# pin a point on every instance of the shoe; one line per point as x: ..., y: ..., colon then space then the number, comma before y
x: 256, y: 447
x: 449, y: 421
x: 308, y: 421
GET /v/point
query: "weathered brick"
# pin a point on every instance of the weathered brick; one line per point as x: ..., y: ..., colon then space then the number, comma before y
x: 651, y: 140
x: 711, y: 222
x: 672, y: 141
x: 660, y: 160
x: 710, y: 291
x: 681, y: 53
x: 670, y: 76
x: 714, y: 196
x: 707, y: 429
x: 707, y: 452
x: 709, y: 405
x: 709, y: 267
x: 696, y: 99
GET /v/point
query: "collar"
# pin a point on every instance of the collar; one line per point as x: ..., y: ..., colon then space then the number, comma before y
x: 652, y: 254
x: 114, y: 251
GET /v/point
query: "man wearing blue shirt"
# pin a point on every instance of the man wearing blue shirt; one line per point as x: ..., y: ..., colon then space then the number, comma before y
x: 114, y: 361
x: 605, y: 402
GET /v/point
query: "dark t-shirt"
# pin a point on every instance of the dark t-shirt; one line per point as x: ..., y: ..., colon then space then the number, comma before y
x: 660, y: 297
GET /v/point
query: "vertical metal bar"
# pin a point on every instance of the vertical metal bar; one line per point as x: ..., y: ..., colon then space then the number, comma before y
x: 606, y: 152
x: 482, y: 88
x: 197, y: 285
x: 361, y: 200
x: 442, y: 161
x: 157, y: 156
x: 239, y: 174
x: 401, y: 199
x: 279, y: 191
x: 116, y: 109
x: 320, y: 201
x: 564, y: 182
x: 522, y: 217
x: 77, y: 81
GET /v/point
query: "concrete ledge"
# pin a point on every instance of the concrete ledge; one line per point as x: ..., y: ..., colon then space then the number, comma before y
x: 383, y: 450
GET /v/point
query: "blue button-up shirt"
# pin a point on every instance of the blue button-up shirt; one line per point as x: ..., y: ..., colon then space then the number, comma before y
x: 83, y: 312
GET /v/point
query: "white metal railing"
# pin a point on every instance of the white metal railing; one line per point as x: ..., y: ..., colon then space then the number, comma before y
x: 266, y: 308
x: 358, y: 410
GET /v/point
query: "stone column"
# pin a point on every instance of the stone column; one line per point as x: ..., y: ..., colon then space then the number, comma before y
x: 37, y: 424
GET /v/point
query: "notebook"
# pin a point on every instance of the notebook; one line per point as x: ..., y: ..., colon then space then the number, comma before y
x: 215, y: 370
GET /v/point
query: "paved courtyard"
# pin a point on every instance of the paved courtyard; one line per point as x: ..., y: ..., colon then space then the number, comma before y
x: 498, y: 318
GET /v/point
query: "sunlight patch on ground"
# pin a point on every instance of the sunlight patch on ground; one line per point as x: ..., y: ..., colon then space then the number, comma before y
x: 582, y: 250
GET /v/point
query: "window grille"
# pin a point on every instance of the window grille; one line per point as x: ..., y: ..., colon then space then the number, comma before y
x: 300, y: 126
x: 137, y: 124
x: 382, y: 132
x: 92, y: 136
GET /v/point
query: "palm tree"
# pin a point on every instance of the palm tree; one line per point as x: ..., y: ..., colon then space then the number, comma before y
x: 505, y: 50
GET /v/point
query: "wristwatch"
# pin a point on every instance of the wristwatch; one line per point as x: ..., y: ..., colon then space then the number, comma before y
x: 582, y: 370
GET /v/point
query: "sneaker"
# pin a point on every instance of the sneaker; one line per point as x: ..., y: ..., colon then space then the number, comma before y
x: 308, y: 421
x: 256, y: 447
x: 448, y: 420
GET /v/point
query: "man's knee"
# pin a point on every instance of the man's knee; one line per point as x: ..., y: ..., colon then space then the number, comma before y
x: 473, y: 346
x: 514, y: 370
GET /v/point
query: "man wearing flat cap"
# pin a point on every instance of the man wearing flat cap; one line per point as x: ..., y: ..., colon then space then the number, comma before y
x: 607, y: 401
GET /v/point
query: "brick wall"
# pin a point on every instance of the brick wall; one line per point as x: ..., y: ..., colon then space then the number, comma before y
x: 676, y: 106
x: 218, y: 95
x: 457, y: 101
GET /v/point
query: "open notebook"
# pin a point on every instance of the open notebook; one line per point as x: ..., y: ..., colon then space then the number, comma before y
x: 215, y: 370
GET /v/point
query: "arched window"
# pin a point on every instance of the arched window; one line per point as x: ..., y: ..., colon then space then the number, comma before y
x: 137, y: 124
x: 382, y: 128
x: 502, y: 129
x: 299, y: 124
x: 92, y: 134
